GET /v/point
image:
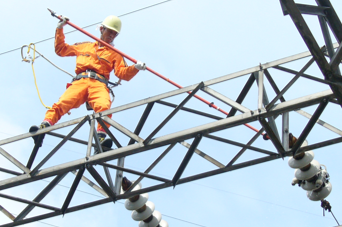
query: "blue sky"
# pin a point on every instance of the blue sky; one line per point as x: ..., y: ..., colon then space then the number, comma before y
x: 187, y: 41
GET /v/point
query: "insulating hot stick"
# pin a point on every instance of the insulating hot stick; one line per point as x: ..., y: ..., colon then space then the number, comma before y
x: 149, y: 69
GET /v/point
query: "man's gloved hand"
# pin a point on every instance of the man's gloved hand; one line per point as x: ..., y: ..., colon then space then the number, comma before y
x: 62, y: 22
x: 140, y: 65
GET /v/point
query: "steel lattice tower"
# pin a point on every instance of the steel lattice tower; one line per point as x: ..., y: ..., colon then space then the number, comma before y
x: 270, y: 112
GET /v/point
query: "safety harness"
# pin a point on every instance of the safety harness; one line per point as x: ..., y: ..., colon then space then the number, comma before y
x: 94, y: 75
x: 91, y: 74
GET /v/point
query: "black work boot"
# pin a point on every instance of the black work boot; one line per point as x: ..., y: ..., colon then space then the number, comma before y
x: 35, y: 128
x: 106, y: 144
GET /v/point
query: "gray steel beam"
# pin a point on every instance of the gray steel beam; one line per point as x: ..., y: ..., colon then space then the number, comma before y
x: 152, y: 188
x: 142, y: 121
x: 245, y: 146
x: 9, y: 171
x: 190, y: 88
x: 31, y: 203
x: 34, y: 171
x: 41, y: 131
x: 320, y: 122
x: 40, y: 196
x: 306, y: 76
x: 309, y: 126
x: 186, y: 160
x: 134, y: 172
x: 287, y: 87
x: 109, y: 133
x: 336, y: 60
x: 90, y: 138
x: 273, y: 137
x: 201, y: 176
x: 121, y: 161
x: 58, y: 135
x: 173, y: 113
x: 319, y: 145
x: 135, y: 183
x: 266, y: 102
x: 307, y: 36
x: 312, y: 45
x: 225, y: 100
x: 170, y: 138
x: 7, y: 213
x: 91, y: 184
x: 273, y: 84
x: 332, y: 18
x: 122, y: 129
x: 100, y: 149
x: 34, y: 152
x: 238, y: 155
x: 101, y: 182
x: 14, y: 161
x: 204, y: 155
x: 327, y: 39
x: 260, y: 81
x: 243, y: 94
x: 72, y: 189
x: 144, y: 190
x: 162, y: 96
x: 190, y: 110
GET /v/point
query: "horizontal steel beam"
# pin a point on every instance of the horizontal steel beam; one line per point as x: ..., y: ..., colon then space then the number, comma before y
x: 31, y: 203
x: 225, y: 100
x: 134, y: 172
x: 204, y: 155
x: 171, y: 138
x: 190, y: 110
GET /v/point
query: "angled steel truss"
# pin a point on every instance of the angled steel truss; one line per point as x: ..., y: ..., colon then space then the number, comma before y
x: 264, y: 114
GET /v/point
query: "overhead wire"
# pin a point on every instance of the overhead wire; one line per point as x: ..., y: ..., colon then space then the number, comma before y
x: 122, y: 15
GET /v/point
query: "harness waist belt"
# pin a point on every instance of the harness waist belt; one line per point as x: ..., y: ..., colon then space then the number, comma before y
x: 91, y: 74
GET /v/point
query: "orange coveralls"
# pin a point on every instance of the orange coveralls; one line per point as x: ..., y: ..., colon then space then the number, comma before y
x: 90, y: 56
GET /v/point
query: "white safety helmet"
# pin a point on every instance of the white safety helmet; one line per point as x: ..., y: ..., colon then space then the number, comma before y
x: 112, y: 23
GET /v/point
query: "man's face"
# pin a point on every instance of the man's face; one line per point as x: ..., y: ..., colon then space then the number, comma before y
x: 108, y: 35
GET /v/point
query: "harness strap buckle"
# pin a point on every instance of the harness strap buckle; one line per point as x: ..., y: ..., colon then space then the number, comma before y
x: 91, y: 74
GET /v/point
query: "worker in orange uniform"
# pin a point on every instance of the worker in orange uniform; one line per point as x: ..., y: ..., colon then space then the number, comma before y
x: 94, y: 64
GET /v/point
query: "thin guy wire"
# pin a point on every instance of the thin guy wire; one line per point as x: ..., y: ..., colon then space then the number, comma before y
x: 122, y: 15
x: 335, y: 218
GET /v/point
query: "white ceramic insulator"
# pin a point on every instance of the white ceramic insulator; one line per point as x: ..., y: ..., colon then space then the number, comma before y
x: 163, y: 223
x: 145, y: 214
x: 137, y: 204
x: 317, y: 196
x: 308, y: 186
x: 150, y: 210
x: 154, y: 222
x: 296, y: 164
x: 303, y: 175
